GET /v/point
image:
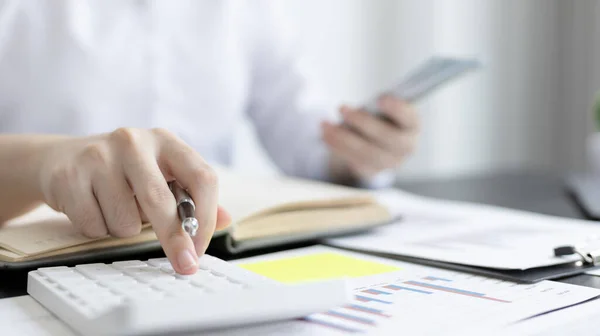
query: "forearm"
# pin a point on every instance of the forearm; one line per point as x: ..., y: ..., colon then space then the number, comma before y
x: 20, y: 161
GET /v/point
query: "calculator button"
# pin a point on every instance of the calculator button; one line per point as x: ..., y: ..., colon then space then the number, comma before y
x: 164, y: 286
x: 203, y: 266
x: 217, y: 274
x: 151, y: 278
x: 68, y: 277
x: 137, y: 269
x: 122, y: 281
x: 158, y: 262
x: 183, y: 290
x: 184, y: 276
x: 167, y: 269
x: 143, y: 294
x: 90, y: 291
x: 222, y: 285
x: 125, y: 289
x: 50, y: 271
x: 91, y: 267
x: 191, y: 292
x: 172, y: 287
x: 133, y: 295
x: 128, y: 264
x: 203, y: 277
x: 100, y: 271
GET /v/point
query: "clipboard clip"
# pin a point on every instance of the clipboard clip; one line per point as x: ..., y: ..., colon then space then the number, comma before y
x: 588, y: 258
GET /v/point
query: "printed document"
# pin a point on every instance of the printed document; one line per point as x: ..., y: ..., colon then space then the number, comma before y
x: 420, y: 300
x: 475, y: 235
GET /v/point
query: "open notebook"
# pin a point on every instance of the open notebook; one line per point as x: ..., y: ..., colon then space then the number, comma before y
x: 265, y: 211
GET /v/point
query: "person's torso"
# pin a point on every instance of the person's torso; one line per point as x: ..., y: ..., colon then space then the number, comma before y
x: 83, y: 67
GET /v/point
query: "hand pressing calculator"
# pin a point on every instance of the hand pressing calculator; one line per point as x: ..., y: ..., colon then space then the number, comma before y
x: 148, y: 297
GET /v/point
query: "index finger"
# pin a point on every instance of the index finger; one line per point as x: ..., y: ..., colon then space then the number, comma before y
x: 195, y: 175
x: 158, y: 203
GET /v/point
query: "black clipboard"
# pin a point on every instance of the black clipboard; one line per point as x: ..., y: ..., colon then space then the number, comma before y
x: 532, y: 275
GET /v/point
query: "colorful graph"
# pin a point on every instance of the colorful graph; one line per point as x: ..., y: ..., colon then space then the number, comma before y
x: 330, y: 325
x: 453, y: 290
x: 368, y: 310
x: 373, y: 305
x: 349, y: 317
x: 376, y: 292
x: 432, y: 278
x: 397, y: 288
x: 361, y: 298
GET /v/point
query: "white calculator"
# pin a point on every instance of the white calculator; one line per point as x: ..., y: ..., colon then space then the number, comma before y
x: 148, y: 297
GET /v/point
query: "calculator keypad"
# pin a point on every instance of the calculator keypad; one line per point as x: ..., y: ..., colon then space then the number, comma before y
x: 102, y: 286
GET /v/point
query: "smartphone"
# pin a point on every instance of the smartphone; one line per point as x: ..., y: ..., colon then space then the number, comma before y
x: 431, y: 75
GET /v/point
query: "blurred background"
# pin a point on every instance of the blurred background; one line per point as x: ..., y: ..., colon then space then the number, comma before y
x: 529, y: 108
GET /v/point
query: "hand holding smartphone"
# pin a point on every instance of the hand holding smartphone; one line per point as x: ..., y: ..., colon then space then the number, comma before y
x: 365, y: 146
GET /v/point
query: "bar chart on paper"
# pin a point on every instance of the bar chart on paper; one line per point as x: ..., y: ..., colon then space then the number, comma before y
x: 433, y: 304
x: 394, y: 297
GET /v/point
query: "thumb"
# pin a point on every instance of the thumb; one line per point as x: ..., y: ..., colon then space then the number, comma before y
x: 223, y: 218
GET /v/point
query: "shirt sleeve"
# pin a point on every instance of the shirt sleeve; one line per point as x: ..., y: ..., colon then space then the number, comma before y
x: 284, y: 111
x: 284, y: 103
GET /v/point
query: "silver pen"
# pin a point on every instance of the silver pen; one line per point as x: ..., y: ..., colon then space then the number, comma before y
x: 185, y: 208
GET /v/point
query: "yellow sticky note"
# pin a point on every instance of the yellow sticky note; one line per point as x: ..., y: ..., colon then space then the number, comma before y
x: 318, y: 266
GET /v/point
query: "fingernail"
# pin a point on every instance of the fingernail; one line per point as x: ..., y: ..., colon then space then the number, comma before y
x: 186, y: 260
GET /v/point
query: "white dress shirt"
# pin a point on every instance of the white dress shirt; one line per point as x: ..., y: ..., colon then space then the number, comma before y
x: 196, y: 67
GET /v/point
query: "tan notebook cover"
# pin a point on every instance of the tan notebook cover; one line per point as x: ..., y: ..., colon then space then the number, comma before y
x: 260, y: 207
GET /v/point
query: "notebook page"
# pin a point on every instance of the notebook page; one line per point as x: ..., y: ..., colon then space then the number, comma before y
x: 54, y: 234
x: 8, y: 255
x: 40, y: 231
x: 245, y: 195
